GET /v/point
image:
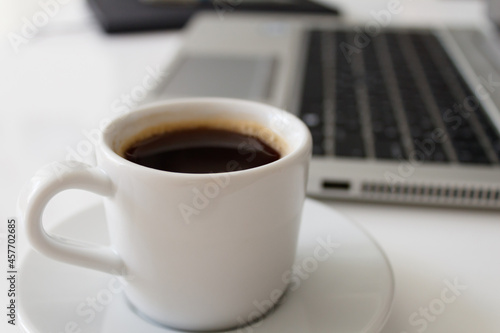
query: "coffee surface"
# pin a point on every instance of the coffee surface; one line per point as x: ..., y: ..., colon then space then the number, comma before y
x: 201, y: 150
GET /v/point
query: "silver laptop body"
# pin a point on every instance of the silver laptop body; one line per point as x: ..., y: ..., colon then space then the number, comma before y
x: 266, y: 58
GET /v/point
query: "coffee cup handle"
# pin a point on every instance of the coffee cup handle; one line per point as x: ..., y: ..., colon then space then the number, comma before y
x: 53, y: 179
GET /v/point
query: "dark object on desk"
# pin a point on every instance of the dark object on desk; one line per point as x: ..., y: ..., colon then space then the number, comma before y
x: 494, y: 11
x: 133, y: 15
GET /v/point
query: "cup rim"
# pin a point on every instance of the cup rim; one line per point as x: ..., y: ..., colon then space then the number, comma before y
x: 303, y: 148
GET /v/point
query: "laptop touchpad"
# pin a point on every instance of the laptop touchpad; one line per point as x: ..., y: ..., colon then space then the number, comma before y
x: 221, y: 76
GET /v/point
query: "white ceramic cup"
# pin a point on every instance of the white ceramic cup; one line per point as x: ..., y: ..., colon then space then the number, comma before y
x: 196, y: 251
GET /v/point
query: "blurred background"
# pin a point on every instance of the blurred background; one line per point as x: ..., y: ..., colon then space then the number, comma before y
x: 58, y: 83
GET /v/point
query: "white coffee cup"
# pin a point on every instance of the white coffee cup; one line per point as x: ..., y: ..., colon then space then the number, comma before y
x: 196, y: 251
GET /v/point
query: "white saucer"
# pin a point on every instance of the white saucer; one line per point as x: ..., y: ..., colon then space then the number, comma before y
x: 348, y: 290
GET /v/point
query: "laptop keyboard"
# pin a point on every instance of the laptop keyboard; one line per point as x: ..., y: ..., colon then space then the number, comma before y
x: 397, y: 97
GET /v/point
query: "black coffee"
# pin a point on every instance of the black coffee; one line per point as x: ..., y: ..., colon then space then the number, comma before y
x: 201, y: 150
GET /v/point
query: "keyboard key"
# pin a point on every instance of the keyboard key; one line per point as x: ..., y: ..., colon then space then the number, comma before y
x: 349, y: 145
x: 318, y: 149
x: 391, y: 132
x: 312, y: 119
x: 388, y: 149
x: 437, y: 155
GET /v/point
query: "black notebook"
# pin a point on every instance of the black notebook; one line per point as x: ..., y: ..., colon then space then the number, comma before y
x: 133, y: 15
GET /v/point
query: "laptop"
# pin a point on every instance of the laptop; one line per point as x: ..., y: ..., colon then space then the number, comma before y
x: 397, y: 113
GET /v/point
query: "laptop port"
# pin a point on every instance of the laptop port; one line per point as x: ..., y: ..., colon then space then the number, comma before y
x: 336, y: 185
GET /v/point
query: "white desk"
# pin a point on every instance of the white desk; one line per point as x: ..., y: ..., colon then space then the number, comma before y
x: 66, y: 78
